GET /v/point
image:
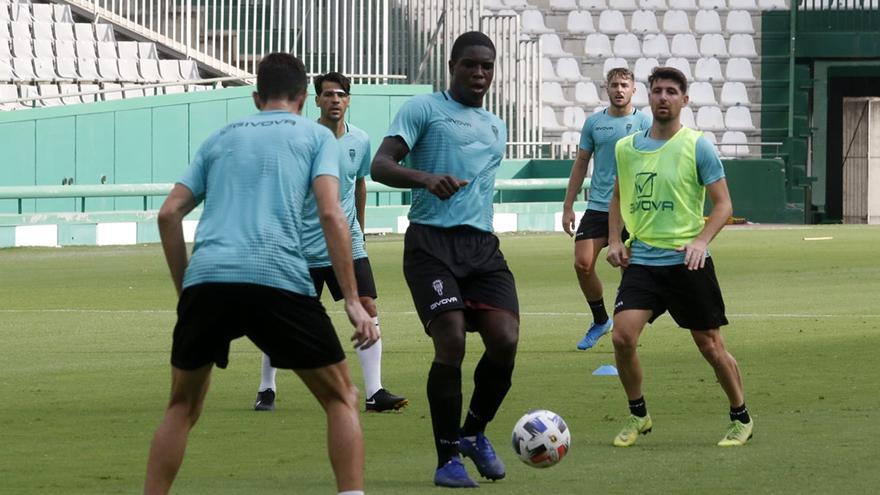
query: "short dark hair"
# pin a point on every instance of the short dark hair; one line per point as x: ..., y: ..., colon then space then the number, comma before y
x: 335, y: 77
x: 468, y: 39
x: 669, y: 73
x: 280, y: 75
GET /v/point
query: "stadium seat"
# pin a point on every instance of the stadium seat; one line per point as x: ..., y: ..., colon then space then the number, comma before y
x: 729, y: 142
x: 598, y: 45
x: 713, y: 45
x: 710, y: 136
x: 147, y: 50
x: 108, y: 69
x: 552, y: 46
x: 24, y: 69
x: 127, y: 49
x: 7, y: 73
x: 743, y: 46
x: 653, y: 5
x: 707, y: 21
x: 551, y: 94
x: 107, y: 49
x: 62, y: 13
x: 84, y: 32
x: 42, y: 12
x: 625, y: 5
x: 132, y: 91
x: 733, y: 94
x: 681, y: 64
x: 719, y: 5
x: 570, y: 138
x: 644, y: 22
x: 627, y: 46
x: 20, y: 30
x: 708, y: 69
x: 87, y: 69
x: 63, y: 31
x: 710, y: 119
x: 568, y: 69
x: 586, y: 94
x: 21, y: 12
x: 548, y: 118
x: 593, y: 4
x: 655, y: 46
x: 643, y: 68
x: 612, y: 22
x: 676, y: 22
x: 563, y: 5
x: 104, y: 32
x: 169, y: 71
x: 4, y: 29
x: 43, y: 49
x: 174, y: 89
x: 613, y: 63
x: 739, y: 22
x: 738, y: 119
x: 532, y: 22
x: 580, y: 22
x: 200, y: 87
x: 640, y: 97
x: 739, y: 69
x: 66, y: 68
x: 86, y: 49
x: 5, y: 53
x: 493, y: 5
x: 85, y: 88
x: 573, y: 118
x: 772, y: 5
x: 685, y: 46
x: 65, y: 49
x: 548, y: 73
x: 112, y: 95
x: 149, y: 70
x: 67, y: 89
x: 4, y: 15
x: 22, y: 48
x: 189, y: 71
x: 28, y: 91
x: 749, y: 5
x: 688, y: 5
x: 687, y: 118
x: 702, y: 94
x: 8, y: 92
x: 128, y: 70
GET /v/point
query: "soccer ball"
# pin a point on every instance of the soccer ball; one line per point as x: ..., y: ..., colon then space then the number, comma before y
x: 541, y: 438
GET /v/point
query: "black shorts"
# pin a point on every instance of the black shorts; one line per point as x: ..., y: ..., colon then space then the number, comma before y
x: 692, y: 297
x: 594, y: 225
x: 363, y: 273
x: 458, y: 268
x: 292, y: 329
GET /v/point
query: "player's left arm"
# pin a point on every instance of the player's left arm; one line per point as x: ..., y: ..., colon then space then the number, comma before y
x: 177, y: 205
x: 360, y: 200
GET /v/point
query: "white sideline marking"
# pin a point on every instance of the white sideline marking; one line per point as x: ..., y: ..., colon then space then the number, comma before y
x: 524, y: 313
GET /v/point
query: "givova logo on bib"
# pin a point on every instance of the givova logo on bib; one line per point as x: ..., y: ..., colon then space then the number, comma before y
x: 644, y: 189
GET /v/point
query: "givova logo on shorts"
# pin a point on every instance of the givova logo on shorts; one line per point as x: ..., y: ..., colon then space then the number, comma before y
x: 644, y: 189
x: 438, y: 288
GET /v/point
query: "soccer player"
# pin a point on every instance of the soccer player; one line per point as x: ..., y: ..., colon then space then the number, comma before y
x: 663, y: 175
x: 332, y: 97
x: 458, y: 277
x: 247, y: 275
x: 601, y: 131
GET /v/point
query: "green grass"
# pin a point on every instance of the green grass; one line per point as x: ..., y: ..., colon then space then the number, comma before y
x: 84, y: 377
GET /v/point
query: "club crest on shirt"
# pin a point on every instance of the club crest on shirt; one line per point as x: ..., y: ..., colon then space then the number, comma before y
x: 628, y: 127
x: 438, y: 286
x: 351, y: 153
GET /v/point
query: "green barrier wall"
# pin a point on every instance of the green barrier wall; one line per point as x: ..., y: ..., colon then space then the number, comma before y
x: 143, y: 140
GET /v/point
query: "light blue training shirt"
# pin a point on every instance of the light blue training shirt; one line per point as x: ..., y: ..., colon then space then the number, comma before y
x: 600, y: 133
x: 354, y: 163
x: 709, y: 171
x: 448, y: 138
x: 253, y: 176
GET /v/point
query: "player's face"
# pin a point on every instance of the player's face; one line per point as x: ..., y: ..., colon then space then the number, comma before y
x: 620, y: 91
x: 667, y: 100
x: 333, y: 101
x: 472, y: 74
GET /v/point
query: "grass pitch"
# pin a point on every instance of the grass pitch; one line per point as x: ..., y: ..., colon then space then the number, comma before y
x: 84, y: 377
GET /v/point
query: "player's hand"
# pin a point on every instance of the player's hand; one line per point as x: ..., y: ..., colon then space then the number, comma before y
x: 618, y: 255
x: 365, y: 331
x: 568, y: 218
x: 695, y: 254
x: 444, y: 186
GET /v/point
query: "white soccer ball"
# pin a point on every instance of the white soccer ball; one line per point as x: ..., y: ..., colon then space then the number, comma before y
x: 541, y: 438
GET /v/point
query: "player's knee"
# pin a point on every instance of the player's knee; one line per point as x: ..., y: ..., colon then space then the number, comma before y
x: 584, y: 266
x: 712, y: 351
x: 624, y: 341
x: 190, y: 410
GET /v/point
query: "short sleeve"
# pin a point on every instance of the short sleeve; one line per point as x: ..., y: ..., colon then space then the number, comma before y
x: 364, y: 169
x: 326, y: 161
x: 709, y: 166
x: 410, y: 121
x: 587, y: 143
x: 195, y: 177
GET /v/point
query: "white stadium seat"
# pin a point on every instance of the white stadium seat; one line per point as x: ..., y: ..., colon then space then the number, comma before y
x: 549, y: 122
x: 66, y: 68
x: 65, y: 49
x: 127, y: 49
x: 43, y: 49
x: 9, y: 92
x: 655, y: 5
x: 4, y: 30
x: 739, y: 69
x: 720, y: 5
x: 627, y: 5
x: 85, y: 88
x: 5, y: 53
x: 710, y: 119
x: 685, y: 46
x: 580, y: 22
x: 729, y: 142
x: 62, y: 13
x: 22, y: 48
x: 107, y: 49
x: 42, y: 12
x: 688, y: 5
x: 708, y: 69
x: 532, y: 22
x: 86, y: 49
x: 733, y: 94
x: 149, y: 70
x: 7, y: 73
x: 713, y: 45
x: 20, y: 30
x: 67, y: 89
x: 128, y: 70
x: 551, y: 94
x: 612, y: 22
x: 169, y: 70
x: 552, y: 46
x: 627, y: 46
x: 104, y: 32
x: 643, y: 68
x: 655, y: 46
x: 614, y: 63
x: 676, y: 22
x: 749, y: 5
x: 707, y: 21
x: 563, y: 5
x: 644, y: 22
x: 742, y: 45
x: 22, y: 12
x: 112, y: 95
x: 174, y: 89
x: 586, y: 94
x: 28, y: 91
x: 573, y: 118
x: 687, y: 118
x: 681, y: 64
x: 640, y: 97
x: 84, y: 32
x: 47, y: 91
x: 739, y: 22
x: 87, y: 69
x: 24, y: 69
x: 189, y: 71
x: 598, y: 45
x: 570, y: 138
x: 132, y: 90
x: 108, y: 69
x: 147, y: 50
x: 547, y: 71
x: 701, y: 94
x: 568, y: 69
x: 593, y: 4
x: 63, y: 31
x: 738, y: 119
x: 710, y: 136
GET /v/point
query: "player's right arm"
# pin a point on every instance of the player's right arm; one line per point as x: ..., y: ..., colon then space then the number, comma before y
x: 618, y: 254
x: 336, y: 232
x: 386, y: 168
x: 177, y: 205
x: 575, y: 185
